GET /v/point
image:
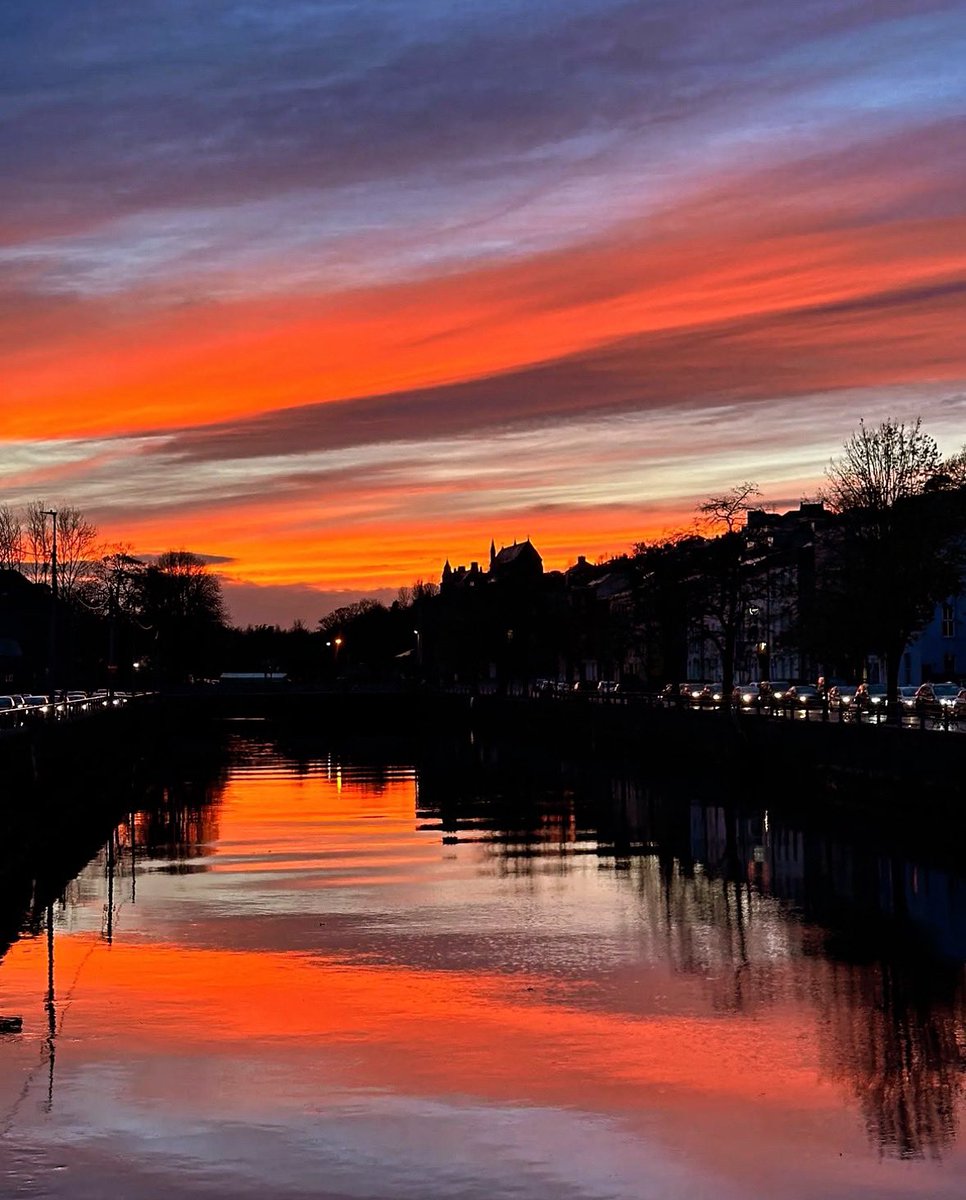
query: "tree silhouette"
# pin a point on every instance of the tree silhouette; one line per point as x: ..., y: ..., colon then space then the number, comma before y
x: 182, y: 601
x: 718, y: 581
x: 11, y: 539
x: 899, y: 547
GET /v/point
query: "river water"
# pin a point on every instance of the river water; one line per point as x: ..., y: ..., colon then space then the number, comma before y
x: 299, y: 970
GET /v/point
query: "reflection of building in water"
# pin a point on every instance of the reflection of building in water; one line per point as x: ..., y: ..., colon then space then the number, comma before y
x: 935, y: 900
x: 887, y: 974
x: 758, y: 913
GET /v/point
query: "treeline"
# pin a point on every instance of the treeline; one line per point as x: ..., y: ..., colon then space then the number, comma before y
x: 855, y: 573
x: 74, y: 612
x: 848, y: 577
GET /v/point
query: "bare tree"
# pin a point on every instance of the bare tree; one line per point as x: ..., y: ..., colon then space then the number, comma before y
x: 113, y: 583
x: 953, y: 470
x: 76, y: 544
x: 421, y: 589
x: 899, y: 547
x: 718, y: 585
x: 37, y: 541
x: 189, y: 591
x: 348, y: 613
x: 76, y: 548
x: 730, y: 508
x: 879, y: 467
x: 11, y: 539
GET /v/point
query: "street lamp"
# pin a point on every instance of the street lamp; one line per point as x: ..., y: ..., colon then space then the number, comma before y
x: 52, y: 667
x: 764, y: 661
x: 51, y: 512
x: 335, y: 643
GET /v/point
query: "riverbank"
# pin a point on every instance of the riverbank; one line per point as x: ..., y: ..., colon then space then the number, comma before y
x: 663, y: 738
x: 863, y: 774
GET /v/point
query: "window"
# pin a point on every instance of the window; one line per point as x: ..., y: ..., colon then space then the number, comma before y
x: 949, y: 621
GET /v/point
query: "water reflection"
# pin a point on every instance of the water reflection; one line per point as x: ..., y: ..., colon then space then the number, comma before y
x: 877, y: 943
x: 311, y: 930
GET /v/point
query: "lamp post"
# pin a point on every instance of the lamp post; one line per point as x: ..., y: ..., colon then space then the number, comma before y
x: 52, y: 666
x: 419, y: 650
x: 335, y: 643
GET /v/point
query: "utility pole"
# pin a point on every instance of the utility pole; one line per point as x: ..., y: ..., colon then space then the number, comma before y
x: 53, y: 603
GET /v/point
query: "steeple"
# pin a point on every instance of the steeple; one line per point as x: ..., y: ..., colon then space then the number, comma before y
x: 492, y: 553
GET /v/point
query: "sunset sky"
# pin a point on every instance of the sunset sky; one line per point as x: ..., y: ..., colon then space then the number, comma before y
x: 333, y: 291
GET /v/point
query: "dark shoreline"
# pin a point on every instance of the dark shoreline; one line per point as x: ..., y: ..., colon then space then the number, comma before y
x: 666, y: 740
x: 64, y: 785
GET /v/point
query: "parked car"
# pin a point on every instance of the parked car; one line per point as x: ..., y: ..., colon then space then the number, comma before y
x: 858, y: 701
x: 940, y: 699
x: 746, y: 695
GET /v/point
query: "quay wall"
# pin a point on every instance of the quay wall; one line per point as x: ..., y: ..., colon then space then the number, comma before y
x: 859, y: 768
x: 668, y: 740
x: 64, y: 785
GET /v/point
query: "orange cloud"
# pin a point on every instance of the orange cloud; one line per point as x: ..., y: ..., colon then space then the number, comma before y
x: 105, y: 367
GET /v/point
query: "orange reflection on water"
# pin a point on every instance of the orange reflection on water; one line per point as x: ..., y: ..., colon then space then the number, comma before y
x: 502, y: 1037
x: 317, y: 822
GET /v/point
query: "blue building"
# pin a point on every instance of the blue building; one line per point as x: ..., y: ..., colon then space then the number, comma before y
x: 938, y: 651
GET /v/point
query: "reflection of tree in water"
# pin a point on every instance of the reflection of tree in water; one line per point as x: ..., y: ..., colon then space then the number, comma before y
x: 369, y: 765
x: 759, y: 912
x: 896, y: 1036
x: 176, y: 816
x: 892, y: 1006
